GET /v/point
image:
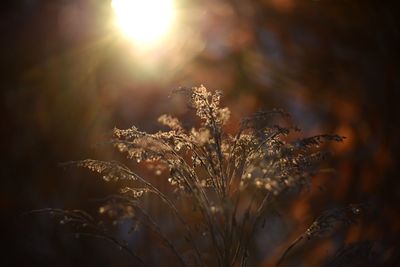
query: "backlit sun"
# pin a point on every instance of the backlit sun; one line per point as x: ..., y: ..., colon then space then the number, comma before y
x: 144, y: 21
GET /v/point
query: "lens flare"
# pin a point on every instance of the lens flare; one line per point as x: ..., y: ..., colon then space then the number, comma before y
x: 144, y: 21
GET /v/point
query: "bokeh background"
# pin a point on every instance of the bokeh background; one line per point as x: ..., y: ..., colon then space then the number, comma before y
x: 68, y: 77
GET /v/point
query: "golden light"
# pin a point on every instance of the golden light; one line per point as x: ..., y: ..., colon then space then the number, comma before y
x: 144, y: 21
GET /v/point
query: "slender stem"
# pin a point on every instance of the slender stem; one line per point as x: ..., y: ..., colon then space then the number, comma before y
x: 217, y: 138
x: 294, y: 243
x: 213, y: 168
x: 228, y: 168
x: 116, y: 242
x: 83, y: 218
x: 257, y: 216
x: 242, y: 229
x: 206, y: 168
x: 201, y: 200
x: 173, y: 207
x: 155, y: 228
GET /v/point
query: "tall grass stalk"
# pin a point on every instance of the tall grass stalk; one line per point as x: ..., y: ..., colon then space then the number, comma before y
x: 228, y: 180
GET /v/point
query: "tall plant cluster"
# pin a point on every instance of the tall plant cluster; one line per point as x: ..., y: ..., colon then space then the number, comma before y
x: 220, y: 185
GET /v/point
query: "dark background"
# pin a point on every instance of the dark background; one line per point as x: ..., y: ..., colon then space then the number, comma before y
x: 67, y: 78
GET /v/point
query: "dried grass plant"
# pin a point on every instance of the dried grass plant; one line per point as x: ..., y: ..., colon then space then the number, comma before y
x: 226, y: 182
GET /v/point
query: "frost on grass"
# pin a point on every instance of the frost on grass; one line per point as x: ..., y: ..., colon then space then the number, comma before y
x: 215, y: 174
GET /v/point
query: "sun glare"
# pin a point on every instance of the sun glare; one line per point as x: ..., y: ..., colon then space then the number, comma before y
x: 144, y: 21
